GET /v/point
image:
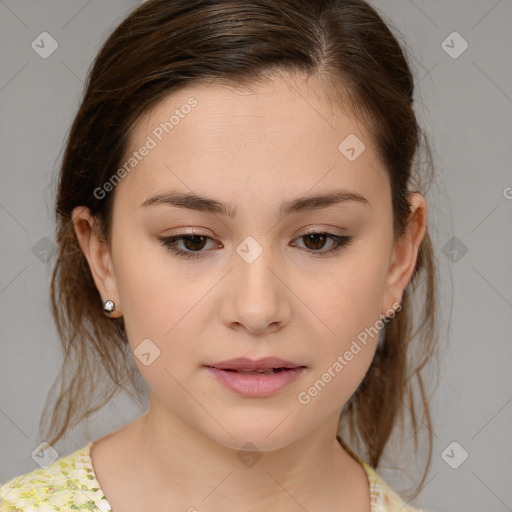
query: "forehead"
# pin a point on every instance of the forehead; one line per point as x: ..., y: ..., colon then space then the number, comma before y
x: 281, y: 138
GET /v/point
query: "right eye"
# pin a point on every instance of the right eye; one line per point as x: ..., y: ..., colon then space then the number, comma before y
x: 194, y: 241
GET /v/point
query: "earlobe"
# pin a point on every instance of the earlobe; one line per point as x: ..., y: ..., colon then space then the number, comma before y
x: 405, y: 252
x: 98, y: 255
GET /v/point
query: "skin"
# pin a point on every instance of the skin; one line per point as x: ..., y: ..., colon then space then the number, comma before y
x: 253, y: 150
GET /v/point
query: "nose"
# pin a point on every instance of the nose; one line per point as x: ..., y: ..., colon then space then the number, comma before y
x: 257, y: 298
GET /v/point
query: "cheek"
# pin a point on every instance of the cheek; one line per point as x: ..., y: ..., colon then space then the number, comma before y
x: 345, y: 324
x: 146, y: 280
x: 345, y: 339
x: 154, y: 308
x: 348, y: 301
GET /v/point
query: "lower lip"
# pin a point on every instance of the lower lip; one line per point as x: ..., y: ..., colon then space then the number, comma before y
x: 256, y: 385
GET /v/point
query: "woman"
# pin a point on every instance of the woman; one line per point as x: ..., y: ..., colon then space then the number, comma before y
x: 236, y: 224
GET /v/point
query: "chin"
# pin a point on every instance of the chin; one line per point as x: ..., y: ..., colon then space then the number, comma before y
x: 265, y: 437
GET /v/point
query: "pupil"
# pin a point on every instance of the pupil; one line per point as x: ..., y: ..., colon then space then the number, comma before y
x: 315, y: 236
x: 194, y: 239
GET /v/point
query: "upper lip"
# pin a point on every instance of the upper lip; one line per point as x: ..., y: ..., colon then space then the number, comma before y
x: 243, y: 363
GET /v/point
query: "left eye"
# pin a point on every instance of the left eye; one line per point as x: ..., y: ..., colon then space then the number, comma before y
x: 194, y: 242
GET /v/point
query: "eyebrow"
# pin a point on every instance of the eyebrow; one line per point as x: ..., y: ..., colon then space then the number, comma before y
x: 210, y: 205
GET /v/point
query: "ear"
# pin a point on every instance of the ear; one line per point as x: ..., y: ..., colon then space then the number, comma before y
x: 98, y: 255
x: 405, y: 253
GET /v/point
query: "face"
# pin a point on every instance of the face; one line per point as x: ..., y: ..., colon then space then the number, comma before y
x: 305, y: 281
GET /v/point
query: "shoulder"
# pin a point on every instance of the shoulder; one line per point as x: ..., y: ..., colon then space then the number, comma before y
x: 69, y: 483
x: 383, y: 497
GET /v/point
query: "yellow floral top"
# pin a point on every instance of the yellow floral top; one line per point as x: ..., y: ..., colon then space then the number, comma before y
x: 69, y: 483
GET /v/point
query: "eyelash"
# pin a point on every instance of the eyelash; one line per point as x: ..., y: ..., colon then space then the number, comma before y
x: 340, y: 241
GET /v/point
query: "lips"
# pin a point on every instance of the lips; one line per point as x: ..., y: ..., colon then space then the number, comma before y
x: 263, y: 365
x: 256, y: 379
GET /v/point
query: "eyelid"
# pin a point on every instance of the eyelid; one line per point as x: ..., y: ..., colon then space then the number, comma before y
x: 339, y: 241
x: 326, y: 229
x: 305, y: 231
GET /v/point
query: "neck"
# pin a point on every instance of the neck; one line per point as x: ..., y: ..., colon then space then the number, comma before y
x: 314, y: 472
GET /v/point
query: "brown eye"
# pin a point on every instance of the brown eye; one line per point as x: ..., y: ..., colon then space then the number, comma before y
x: 315, y: 241
x: 191, y: 244
x: 195, y: 242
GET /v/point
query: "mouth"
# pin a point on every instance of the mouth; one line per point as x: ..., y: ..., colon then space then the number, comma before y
x: 256, y: 372
x: 255, y: 379
x: 263, y: 365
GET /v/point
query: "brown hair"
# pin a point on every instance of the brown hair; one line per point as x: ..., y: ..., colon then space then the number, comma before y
x: 160, y: 48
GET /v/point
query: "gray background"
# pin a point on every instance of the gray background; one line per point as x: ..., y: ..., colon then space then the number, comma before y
x: 466, y: 107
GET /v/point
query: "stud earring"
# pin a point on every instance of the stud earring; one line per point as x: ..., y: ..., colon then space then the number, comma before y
x: 109, y: 306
